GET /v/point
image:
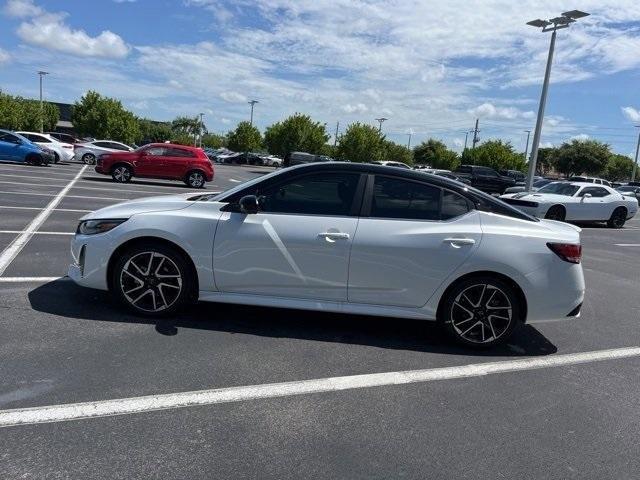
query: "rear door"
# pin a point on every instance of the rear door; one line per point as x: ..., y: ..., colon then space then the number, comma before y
x: 176, y: 161
x: 411, y: 237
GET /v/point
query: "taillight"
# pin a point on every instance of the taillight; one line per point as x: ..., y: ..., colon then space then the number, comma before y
x: 569, y: 252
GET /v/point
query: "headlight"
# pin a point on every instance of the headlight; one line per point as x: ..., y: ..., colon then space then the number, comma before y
x: 91, y: 227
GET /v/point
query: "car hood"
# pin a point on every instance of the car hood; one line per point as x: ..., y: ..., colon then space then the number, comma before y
x: 147, y: 205
x: 542, y: 197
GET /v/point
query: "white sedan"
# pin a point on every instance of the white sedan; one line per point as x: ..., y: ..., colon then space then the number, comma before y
x: 61, y: 150
x: 576, y: 201
x: 339, y: 237
x: 88, y: 152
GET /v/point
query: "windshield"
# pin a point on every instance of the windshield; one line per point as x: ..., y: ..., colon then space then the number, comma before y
x: 627, y: 189
x: 221, y: 196
x: 541, y: 183
x: 560, y: 188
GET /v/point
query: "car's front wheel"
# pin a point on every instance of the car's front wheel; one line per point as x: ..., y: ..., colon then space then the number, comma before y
x: 152, y: 279
x: 89, y: 158
x: 480, y: 311
x: 618, y: 218
x: 557, y: 212
x: 121, y: 173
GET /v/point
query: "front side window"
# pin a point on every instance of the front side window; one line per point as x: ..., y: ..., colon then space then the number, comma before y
x: 317, y: 194
x: 7, y: 137
x: 396, y: 198
x: 596, y: 192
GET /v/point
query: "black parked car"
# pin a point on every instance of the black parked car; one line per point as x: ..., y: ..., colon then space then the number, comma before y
x: 485, y: 178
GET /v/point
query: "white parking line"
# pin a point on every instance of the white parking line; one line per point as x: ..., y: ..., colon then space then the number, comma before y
x: 37, y: 233
x: 627, y: 244
x: 10, y: 253
x: 77, y: 187
x: 68, y: 196
x: 31, y: 174
x: 234, y: 180
x: 40, y: 208
x: 31, y: 279
x: 123, y: 406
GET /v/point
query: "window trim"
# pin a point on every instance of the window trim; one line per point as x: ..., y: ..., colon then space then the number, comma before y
x: 369, y: 192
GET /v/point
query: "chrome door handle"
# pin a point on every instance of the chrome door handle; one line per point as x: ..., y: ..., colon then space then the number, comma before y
x: 333, y: 236
x: 458, y: 242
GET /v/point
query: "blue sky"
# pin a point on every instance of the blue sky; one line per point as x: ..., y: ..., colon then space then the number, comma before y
x: 431, y: 67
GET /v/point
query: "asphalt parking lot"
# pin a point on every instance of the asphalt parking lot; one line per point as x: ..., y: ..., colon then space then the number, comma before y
x: 60, y: 344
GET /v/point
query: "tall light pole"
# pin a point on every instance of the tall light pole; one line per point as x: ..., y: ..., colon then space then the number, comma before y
x: 41, y: 74
x: 526, y: 148
x: 635, y: 162
x: 409, y: 142
x: 201, y: 128
x: 252, y: 103
x: 552, y: 25
x: 466, y: 137
x: 380, y: 121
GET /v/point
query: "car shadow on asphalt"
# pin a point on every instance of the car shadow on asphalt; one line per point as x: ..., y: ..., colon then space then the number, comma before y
x: 176, y: 184
x: 65, y: 299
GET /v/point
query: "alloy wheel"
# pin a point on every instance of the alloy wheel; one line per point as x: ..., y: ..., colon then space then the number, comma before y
x: 89, y: 159
x: 196, y: 180
x: 481, y: 313
x: 151, y: 281
x: 121, y: 174
x: 619, y: 218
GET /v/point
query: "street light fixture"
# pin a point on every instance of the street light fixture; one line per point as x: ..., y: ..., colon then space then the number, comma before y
x: 41, y: 74
x: 380, y: 121
x: 252, y: 103
x: 201, y: 127
x: 552, y: 25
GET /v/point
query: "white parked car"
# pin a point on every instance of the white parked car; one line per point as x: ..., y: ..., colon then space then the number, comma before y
x: 388, y: 163
x: 88, y: 152
x: 576, y: 201
x: 271, y: 161
x: 339, y: 237
x: 537, y: 185
x: 61, y: 150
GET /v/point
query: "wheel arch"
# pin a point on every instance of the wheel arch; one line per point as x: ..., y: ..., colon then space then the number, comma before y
x: 483, y: 273
x: 190, y: 170
x: 155, y: 240
x: 118, y: 163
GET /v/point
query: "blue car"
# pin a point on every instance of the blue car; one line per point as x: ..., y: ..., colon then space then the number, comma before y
x: 16, y: 148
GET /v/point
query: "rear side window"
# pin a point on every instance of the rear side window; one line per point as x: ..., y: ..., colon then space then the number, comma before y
x: 7, y: 137
x: 396, y: 198
x: 178, y: 152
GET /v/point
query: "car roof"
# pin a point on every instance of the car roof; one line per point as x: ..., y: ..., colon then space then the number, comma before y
x: 177, y: 145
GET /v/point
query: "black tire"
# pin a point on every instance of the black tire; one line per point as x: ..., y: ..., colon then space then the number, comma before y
x: 480, y: 312
x: 557, y: 212
x: 618, y: 218
x: 144, y: 280
x: 121, y: 173
x: 56, y: 157
x: 195, y: 179
x: 89, y: 158
x: 35, y: 159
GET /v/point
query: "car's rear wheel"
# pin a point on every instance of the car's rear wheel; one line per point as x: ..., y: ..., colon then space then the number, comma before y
x: 195, y: 179
x: 89, y: 158
x: 480, y: 311
x: 618, y: 218
x: 152, y: 279
x: 121, y: 173
x: 56, y: 157
x: 557, y: 212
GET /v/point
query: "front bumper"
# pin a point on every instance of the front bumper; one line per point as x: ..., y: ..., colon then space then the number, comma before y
x: 89, y: 260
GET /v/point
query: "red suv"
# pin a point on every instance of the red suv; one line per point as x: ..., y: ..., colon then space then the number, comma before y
x: 158, y: 160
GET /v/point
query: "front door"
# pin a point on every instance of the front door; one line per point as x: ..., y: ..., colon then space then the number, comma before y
x: 415, y: 236
x: 297, y: 246
x: 150, y: 162
x: 596, y: 207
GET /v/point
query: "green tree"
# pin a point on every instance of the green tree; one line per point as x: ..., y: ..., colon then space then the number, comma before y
x: 582, y: 156
x: 619, y: 167
x: 397, y: 153
x: 436, y: 154
x: 17, y: 113
x: 545, y: 159
x: 153, y: 132
x: 104, y: 117
x: 213, y: 140
x: 245, y: 138
x: 186, y: 125
x: 361, y: 143
x: 297, y: 133
x: 496, y: 154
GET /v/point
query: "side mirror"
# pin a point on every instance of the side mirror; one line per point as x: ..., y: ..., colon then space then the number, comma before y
x: 249, y: 204
x: 586, y: 195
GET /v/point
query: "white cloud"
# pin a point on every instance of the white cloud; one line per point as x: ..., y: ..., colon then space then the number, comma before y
x: 4, y: 56
x: 489, y: 110
x: 357, y: 108
x: 49, y: 30
x: 580, y: 137
x: 631, y: 113
x: 233, y: 97
x: 22, y: 8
